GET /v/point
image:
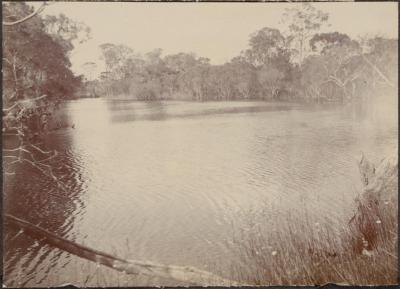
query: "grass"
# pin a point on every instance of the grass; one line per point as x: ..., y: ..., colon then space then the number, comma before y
x: 300, y: 251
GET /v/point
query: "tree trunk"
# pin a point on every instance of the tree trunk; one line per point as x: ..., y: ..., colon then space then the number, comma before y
x: 189, y: 275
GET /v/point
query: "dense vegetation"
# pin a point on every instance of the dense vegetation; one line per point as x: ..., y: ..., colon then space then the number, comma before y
x: 301, y: 64
x: 36, y: 78
x: 36, y: 66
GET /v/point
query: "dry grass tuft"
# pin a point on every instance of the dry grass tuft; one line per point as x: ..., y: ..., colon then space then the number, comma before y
x: 302, y: 252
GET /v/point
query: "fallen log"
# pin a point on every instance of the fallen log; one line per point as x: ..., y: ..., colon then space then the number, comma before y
x: 186, y: 274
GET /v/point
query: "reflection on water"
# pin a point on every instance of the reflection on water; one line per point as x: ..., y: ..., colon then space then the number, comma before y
x: 168, y: 181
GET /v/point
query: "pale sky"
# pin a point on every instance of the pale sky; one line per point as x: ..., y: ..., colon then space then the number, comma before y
x: 218, y: 31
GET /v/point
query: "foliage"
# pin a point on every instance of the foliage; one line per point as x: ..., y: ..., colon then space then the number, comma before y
x: 266, y: 45
x: 303, y: 21
x: 301, y: 64
x: 298, y: 65
x: 36, y: 78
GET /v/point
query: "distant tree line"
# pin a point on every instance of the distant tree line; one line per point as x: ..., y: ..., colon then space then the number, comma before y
x: 301, y: 64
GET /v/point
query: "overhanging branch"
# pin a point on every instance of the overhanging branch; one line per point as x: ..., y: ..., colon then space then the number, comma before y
x: 37, y: 11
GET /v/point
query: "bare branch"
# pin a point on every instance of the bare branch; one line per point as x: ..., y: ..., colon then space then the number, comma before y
x: 49, y: 158
x: 12, y: 150
x: 24, y: 101
x: 6, y: 60
x: 11, y: 107
x: 40, y: 150
x: 15, y: 157
x: 35, y: 98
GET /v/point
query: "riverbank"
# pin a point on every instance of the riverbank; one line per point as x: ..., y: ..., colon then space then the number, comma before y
x: 361, y: 252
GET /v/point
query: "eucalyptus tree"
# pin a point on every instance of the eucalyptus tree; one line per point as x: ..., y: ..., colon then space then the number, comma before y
x: 303, y: 22
x: 334, y: 71
x: 269, y: 54
x: 266, y: 45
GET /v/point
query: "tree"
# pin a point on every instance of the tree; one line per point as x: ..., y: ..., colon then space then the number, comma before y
x: 66, y: 31
x: 336, y: 70
x: 271, y: 79
x: 32, y: 14
x: 36, y: 77
x: 266, y: 45
x: 269, y: 54
x: 322, y: 42
x: 116, y: 58
x: 245, y: 78
x: 121, y: 62
x: 177, y: 65
x: 303, y: 21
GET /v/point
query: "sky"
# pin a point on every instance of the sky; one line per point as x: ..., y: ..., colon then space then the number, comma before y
x: 218, y: 31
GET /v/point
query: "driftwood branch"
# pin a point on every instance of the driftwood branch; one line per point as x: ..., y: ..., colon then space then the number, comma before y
x: 184, y: 274
x: 37, y: 11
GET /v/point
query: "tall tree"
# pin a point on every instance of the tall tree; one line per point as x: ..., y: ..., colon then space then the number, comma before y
x: 269, y: 54
x: 115, y: 58
x: 303, y: 21
x: 336, y: 67
x: 266, y: 46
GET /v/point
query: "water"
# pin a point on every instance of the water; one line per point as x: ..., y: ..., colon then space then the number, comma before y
x: 171, y: 182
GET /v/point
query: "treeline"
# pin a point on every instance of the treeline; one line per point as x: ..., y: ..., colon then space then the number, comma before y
x: 36, y: 65
x: 301, y: 64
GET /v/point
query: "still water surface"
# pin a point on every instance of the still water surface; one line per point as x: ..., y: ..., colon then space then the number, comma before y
x: 171, y: 182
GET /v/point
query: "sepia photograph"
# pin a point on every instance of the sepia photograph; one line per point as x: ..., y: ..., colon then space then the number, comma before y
x: 199, y: 143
